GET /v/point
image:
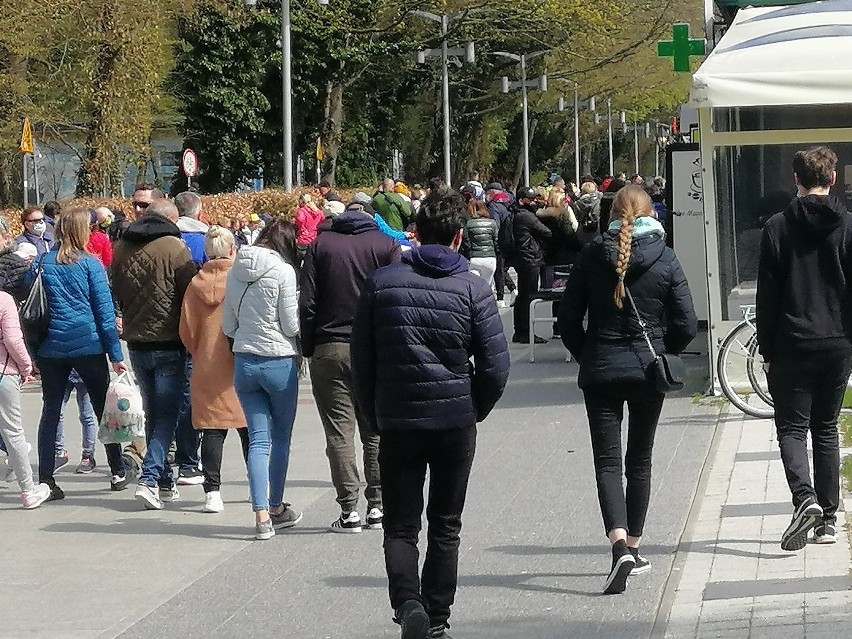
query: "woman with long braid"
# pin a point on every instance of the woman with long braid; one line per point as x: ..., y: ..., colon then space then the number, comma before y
x: 630, y: 258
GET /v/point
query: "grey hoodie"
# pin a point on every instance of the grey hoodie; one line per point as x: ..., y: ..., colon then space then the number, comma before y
x: 261, y: 310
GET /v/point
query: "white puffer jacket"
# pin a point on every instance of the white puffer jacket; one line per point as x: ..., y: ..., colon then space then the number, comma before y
x: 261, y: 311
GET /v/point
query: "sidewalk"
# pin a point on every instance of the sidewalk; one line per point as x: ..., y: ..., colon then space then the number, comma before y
x: 731, y: 578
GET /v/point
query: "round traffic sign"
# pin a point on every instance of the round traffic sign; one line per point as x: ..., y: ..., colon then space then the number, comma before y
x: 189, y: 163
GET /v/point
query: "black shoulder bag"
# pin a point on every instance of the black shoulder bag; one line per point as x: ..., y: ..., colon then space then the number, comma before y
x: 666, y: 371
x: 35, y: 313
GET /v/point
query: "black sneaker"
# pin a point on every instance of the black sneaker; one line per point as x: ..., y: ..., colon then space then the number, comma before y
x: 374, y: 519
x: 439, y: 632
x: 825, y: 533
x: 192, y: 477
x: 287, y: 518
x: 119, y: 482
x: 642, y: 565
x: 347, y: 523
x: 524, y: 339
x: 806, y: 516
x: 56, y: 493
x: 414, y: 621
x: 622, y: 565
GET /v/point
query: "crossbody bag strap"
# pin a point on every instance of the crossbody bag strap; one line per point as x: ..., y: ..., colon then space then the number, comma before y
x: 242, y: 297
x: 641, y: 324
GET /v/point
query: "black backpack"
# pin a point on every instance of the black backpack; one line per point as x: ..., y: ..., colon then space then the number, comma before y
x: 35, y: 313
x: 506, y: 234
x: 588, y: 216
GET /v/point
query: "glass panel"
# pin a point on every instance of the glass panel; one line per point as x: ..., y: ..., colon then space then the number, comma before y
x: 752, y: 184
x: 780, y: 118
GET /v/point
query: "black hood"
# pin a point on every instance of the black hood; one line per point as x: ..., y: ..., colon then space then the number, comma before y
x: 354, y: 222
x: 646, y: 251
x: 817, y: 215
x: 149, y: 228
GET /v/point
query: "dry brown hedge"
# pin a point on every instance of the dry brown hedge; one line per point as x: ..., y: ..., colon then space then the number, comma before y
x: 217, y: 209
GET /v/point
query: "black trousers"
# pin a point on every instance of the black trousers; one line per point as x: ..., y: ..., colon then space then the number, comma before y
x: 808, y: 391
x: 403, y: 459
x: 212, y: 444
x: 605, y: 407
x: 502, y: 279
x: 94, y: 371
x: 527, y: 286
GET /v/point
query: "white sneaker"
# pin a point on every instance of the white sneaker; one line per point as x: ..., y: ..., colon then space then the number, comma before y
x: 169, y: 494
x: 36, y: 497
x: 148, y: 497
x: 213, y: 502
x: 374, y: 519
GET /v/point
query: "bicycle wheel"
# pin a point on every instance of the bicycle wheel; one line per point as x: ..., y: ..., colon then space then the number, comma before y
x: 757, y: 376
x: 736, y: 354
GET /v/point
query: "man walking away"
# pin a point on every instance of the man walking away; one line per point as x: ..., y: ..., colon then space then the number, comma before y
x: 151, y: 270
x: 804, y: 330
x: 530, y: 236
x: 497, y: 201
x: 336, y: 266
x: 393, y: 209
x: 417, y: 327
x: 192, y: 230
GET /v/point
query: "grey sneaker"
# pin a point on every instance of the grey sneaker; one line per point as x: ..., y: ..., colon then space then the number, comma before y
x: 148, y: 497
x: 806, y: 516
x: 170, y: 493
x: 287, y: 518
x: 825, y: 533
x: 264, y: 530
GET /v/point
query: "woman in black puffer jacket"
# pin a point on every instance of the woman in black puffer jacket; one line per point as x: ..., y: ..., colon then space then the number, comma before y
x: 614, y: 359
x: 482, y: 234
x: 13, y: 267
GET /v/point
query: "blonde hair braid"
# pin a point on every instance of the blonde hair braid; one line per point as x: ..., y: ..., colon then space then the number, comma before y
x: 631, y: 203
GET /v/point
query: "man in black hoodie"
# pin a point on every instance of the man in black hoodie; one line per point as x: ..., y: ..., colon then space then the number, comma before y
x: 336, y: 266
x: 804, y: 329
x: 530, y: 235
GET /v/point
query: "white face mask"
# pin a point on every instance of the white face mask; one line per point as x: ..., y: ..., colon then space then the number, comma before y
x: 39, y: 228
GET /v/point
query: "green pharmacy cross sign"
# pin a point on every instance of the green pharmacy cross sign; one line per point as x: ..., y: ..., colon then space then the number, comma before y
x: 681, y: 48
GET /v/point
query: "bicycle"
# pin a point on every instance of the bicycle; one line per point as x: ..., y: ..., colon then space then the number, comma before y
x: 740, y: 369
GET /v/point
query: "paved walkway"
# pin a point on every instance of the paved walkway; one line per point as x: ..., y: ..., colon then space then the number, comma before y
x: 736, y: 581
x: 533, y: 555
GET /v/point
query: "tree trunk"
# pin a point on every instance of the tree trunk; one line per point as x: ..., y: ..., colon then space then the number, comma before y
x: 332, y: 130
x: 519, y: 167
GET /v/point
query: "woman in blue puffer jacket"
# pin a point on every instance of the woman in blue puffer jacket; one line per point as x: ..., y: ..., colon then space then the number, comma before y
x: 81, y: 335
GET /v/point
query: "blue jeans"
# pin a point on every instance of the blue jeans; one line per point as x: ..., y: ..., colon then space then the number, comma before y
x: 161, y: 376
x: 187, y: 438
x: 87, y: 417
x: 268, y: 388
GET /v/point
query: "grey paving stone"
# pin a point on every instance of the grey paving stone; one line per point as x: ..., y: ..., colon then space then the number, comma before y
x: 751, y: 510
x: 762, y: 587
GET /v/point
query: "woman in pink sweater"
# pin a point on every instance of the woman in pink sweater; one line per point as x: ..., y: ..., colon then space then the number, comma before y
x: 15, y: 369
x: 308, y: 219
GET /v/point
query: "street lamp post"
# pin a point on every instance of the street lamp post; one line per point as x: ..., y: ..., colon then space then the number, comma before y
x: 538, y: 83
x: 635, y: 127
x: 287, y: 87
x: 587, y: 105
x: 467, y: 53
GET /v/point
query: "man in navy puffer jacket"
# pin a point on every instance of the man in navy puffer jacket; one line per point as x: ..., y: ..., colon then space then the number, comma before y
x: 417, y: 326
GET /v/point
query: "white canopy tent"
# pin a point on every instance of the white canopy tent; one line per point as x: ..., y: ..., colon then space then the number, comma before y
x: 778, y: 81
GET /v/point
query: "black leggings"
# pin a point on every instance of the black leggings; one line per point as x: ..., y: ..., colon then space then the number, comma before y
x: 605, y: 406
x: 212, y: 443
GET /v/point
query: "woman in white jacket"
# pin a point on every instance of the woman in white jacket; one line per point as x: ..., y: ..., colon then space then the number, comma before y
x: 261, y: 315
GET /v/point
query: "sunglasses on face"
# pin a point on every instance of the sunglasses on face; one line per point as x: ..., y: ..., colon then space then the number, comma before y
x: 141, y: 205
x: 33, y: 221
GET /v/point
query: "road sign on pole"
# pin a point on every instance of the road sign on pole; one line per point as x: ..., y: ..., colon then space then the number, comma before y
x: 189, y: 164
x: 27, y: 144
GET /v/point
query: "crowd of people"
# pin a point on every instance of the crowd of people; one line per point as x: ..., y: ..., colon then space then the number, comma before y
x: 394, y: 300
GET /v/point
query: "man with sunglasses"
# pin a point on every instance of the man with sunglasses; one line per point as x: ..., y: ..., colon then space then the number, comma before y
x: 35, y: 230
x: 143, y: 196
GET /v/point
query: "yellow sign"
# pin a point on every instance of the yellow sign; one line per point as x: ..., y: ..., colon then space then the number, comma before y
x: 27, y: 145
x: 319, y: 150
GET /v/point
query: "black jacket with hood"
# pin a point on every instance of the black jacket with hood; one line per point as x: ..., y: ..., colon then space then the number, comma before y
x: 530, y: 237
x: 13, y: 270
x: 612, y: 349
x: 428, y: 347
x: 804, y: 301
x: 335, y: 269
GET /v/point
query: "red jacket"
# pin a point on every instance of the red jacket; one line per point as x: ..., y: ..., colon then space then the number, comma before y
x: 307, y: 223
x: 100, y: 246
